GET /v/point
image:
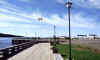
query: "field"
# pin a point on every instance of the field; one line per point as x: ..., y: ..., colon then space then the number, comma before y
x: 78, y: 52
x: 94, y: 44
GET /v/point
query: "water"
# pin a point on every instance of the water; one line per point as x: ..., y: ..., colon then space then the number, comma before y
x: 5, y: 42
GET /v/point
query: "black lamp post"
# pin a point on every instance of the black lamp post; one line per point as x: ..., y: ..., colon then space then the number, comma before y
x: 68, y: 5
x: 54, y: 36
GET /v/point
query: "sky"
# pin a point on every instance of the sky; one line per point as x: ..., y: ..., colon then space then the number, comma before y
x: 20, y: 17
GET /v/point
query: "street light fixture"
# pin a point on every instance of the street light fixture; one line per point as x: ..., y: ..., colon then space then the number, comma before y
x: 68, y: 5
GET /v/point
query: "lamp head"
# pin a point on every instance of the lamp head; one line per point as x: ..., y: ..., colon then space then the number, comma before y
x: 68, y: 4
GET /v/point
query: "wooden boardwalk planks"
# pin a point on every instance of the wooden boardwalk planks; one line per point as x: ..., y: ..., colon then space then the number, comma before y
x: 39, y: 51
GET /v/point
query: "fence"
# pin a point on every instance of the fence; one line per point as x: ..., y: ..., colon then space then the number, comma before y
x: 13, y: 50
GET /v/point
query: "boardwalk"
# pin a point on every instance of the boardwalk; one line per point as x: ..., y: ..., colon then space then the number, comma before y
x: 39, y: 51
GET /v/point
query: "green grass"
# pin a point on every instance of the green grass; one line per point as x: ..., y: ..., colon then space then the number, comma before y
x: 78, y: 53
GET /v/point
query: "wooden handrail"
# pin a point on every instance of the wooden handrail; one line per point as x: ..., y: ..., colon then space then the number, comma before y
x: 13, y: 50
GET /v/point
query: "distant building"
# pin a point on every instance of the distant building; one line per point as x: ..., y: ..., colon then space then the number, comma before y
x: 92, y: 36
x: 81, y: 37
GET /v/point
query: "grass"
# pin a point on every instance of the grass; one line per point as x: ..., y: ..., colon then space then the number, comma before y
x: 78, y: 53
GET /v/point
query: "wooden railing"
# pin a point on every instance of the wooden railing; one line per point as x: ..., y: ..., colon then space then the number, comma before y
x: 13, y: 50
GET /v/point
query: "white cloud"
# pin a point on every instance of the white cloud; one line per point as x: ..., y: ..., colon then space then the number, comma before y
x: 32, y: 26
x: 95, y: 3
x: 15, y: 15
x: 11, y: 13
x: 77, y: 20
x: 18, y: 26
x: 55, y: 20
x: 25, y: 0
x: 88, y: 3
x: 84, y: 3
x: 9, y: 6
x: 60, y: 1
x: 10, y: 18
x: 35, y: 15
x: 5, y: 24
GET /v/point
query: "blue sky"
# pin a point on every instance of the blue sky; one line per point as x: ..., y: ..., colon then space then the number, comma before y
x: 19, y: 17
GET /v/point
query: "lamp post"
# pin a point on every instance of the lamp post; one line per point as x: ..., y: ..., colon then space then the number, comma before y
x: 68, y: 5
x: 54, y: 36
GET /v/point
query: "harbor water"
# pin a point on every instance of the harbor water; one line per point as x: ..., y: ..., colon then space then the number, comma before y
x: 5, y: 42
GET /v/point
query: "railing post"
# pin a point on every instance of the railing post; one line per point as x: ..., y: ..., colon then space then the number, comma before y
x: 1, y: 55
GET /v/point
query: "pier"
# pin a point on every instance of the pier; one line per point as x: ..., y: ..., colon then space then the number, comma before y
x: 13, y: 50
x: 40, y: 51
x: 27, y: 50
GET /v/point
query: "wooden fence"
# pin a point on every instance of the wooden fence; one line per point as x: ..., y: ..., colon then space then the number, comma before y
x: 13, y: 50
